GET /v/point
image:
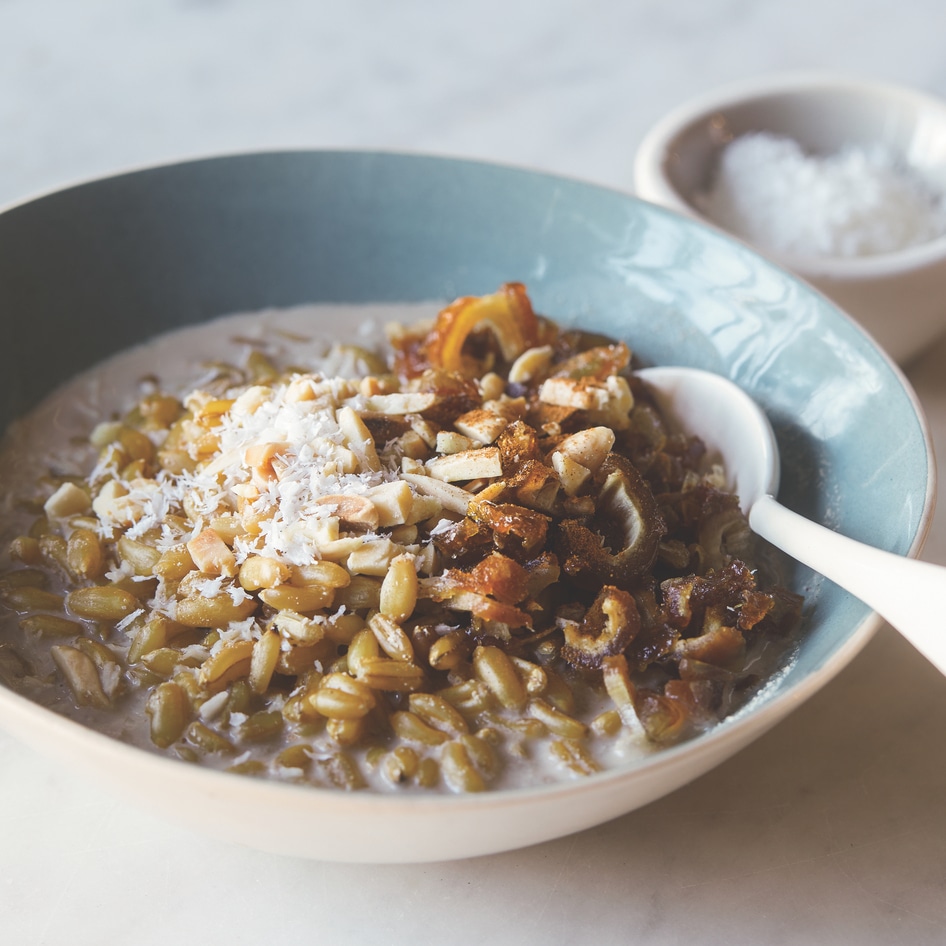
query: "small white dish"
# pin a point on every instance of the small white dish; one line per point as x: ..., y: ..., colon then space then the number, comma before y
x: 899, y: 297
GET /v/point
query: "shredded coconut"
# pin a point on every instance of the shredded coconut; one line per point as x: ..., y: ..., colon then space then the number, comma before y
x: 129, y: 620
x: 859, y: 201
x: 213, y: 707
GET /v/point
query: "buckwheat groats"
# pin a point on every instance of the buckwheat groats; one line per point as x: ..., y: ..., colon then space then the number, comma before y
x: 483, y: 560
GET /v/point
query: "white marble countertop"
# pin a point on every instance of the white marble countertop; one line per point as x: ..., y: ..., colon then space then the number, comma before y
x: 831, y: 828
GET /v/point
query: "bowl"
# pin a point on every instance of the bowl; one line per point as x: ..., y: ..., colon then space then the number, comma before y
x: 96, y: 268
x: 899, y: 296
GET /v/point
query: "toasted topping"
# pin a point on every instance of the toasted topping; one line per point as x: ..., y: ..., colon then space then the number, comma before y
x: 400, y: 404
x: 449, y: 441
x: 481, y: 425
x: 571, y: 474
x: 68, y: 500
x: 531, y: 364
x: 211, y: 555
x: 581, y: 394
x: 620, y: 541
x: 608, y: 626
x: 356, y: 512
x: 588, y: 447
x: 483, y: 463
x: 507, y: 314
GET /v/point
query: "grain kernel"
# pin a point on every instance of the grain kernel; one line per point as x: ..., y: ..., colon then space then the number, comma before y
x: 101, y: 603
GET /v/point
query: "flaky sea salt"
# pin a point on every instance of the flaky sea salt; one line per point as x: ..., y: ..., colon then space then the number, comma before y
x: 860, y: 201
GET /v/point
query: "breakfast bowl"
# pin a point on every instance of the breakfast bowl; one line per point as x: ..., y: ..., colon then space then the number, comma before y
x: 108, y: 265
x: 886, y: 141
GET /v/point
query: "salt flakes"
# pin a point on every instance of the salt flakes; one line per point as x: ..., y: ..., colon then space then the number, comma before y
x: 860, y: 201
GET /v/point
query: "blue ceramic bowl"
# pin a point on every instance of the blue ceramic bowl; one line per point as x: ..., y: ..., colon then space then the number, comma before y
x: 99, y: 267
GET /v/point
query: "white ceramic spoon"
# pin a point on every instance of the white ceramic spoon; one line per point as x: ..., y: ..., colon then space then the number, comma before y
x: 899, y: 589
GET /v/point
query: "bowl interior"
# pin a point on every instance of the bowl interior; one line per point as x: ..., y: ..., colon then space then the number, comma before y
x: 823, y: 117
x: 94, y: 269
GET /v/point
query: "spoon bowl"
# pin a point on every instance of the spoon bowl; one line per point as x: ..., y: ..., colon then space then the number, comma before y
x: 735, y: 428
x: 728, y: 421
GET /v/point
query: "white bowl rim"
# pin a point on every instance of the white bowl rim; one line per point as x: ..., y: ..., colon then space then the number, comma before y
x: 650, y: 175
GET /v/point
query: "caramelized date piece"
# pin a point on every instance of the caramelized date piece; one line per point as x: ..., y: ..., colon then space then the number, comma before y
x: 688, y: 599
x: 507, y: 314
x: 620, y: 541
x: 599, y: 362
x: 609, y: 625
x: 515, y: 528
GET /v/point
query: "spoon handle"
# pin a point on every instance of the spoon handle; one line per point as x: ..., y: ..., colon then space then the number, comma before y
x: 903, y: 591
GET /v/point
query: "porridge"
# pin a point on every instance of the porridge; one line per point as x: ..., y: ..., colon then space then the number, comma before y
x: 480, y: 561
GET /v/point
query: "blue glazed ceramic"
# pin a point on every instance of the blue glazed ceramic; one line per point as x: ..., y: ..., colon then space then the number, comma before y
x: 99, y: 267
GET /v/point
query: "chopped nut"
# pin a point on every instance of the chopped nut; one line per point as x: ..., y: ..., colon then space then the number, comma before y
x: 467, y: 465
x: 424, y: 429
x: 357, y: 512
x: 450, y: 497
x: 492, y: 386
x: 620, y: 400
x: 481, y: 425
x: 252, y: 399
x: 426, y: 507
x: 411, y: 445
x: 68, y: 500
x: 449, y: 441
x: 113, y: 504
x: 264, y: 461
x: 211, y: 555
x: 405, y: 402
x: 579, y: 393
x: 393, y: 502
x: 358, y: 435
x: 589, y: 447
x: 571, y: 474
x: 530, y: 364
x: 373, y: 558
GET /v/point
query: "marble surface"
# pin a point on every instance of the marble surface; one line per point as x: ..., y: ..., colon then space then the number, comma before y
x: 832, y: 828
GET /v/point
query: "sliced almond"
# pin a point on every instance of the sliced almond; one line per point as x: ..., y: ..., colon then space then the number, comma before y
x: 353, y: 511
x: 449, y: 442
x: 373, y: 558
x: 211, y: 555
x: 589, y: 447
x: 450, y: 497
x: 484, y: 463
x: 583, y: 394
x: 358, y: 436
x: 406, y: 402
x: 68, y: 500
x: 530, y: 364
x: 571, y: 475
x: 263, y: 461
x: 393, y: 502
x: 482, y: 425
